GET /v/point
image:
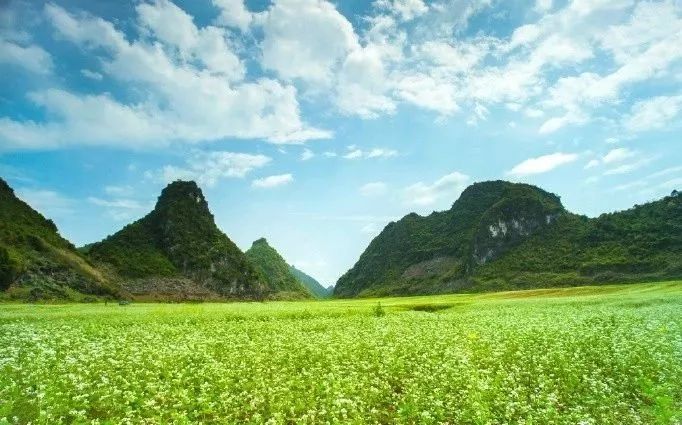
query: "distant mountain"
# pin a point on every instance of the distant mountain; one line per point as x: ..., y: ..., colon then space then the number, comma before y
x: 275, y: 270
x: 313, y: 286
x: 37, y: 263
x: 177, y: 252
x: 501, y: 235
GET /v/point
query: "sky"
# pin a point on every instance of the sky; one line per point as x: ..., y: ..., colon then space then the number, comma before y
x: 315, y: 123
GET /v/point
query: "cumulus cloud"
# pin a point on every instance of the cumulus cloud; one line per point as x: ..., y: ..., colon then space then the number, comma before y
x: 542, y: 164
x: 197, y: 94
x: 272, y: 181
x: 233, y: 13
x: 445, y: 188
x: 189, y: 83
x: 309, y: 52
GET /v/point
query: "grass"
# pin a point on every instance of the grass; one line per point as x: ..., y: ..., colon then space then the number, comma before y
x: 589, y: 355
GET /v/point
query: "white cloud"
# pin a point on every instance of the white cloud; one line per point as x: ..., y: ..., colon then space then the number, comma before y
x: 429, y: 93
x: 233, y: 13
x: 31, y: 57
x: 93, y: 75
x: 174, y: 27
x: 618, y: 155
x: 272, y: 181
x: 543, y: 5
x: 356, y: 153
x: 373, y: 189
x: 593, y: 163
x: 309, y: 52
x: 629, y: 167
x: 570, y: 62
x: 353, y: 154
x: 446, y: 188
x: 307, y: 154
x: 129, y: 204
x: 653, y: 114
x: 405, y: 9
x: 209, y: 167
x: 542, y: 164
x: 189, y: 97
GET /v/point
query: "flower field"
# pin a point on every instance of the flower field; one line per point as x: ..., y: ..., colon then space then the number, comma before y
x: 608, y: 355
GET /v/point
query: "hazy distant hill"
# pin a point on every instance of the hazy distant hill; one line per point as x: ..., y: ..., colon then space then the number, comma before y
x: 275, y: 269
x: 309, y: 282
x: 36, y: 262
x: 177, y: 251
x: 501, y: 235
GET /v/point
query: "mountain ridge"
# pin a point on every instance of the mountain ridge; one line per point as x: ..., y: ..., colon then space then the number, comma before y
x: 467, y: 246
x: 178, y: 243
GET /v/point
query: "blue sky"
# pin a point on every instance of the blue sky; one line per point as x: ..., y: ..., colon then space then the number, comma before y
x: 315, y: 123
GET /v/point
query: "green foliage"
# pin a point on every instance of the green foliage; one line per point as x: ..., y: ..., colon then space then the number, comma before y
x: 180, y: 238
x: 544, y: 245
x: 415, y: 239
x: 313, y: 286
x: 34, y: 256
x: 593, y: 355
x: 9, y: 268
x: 274, y: 269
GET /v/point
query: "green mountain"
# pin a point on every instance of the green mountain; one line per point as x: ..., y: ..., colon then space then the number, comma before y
x: 275, y: 270
x: 313, y: 286
x: 501, y: 235
x: 177, y: 252
x: 37, y: 263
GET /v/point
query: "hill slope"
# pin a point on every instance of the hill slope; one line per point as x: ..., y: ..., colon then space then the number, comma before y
x: 275, y: 270
x: 36, y: 262
x: 313, y: 286
x: 177, y: 251
x: 501, y: 235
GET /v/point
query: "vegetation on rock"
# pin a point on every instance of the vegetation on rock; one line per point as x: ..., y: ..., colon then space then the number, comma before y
x: 501, y: 235
x: 313, y: 286
x: 36, y: 262
x: 275, y: 270
x: 179, y: 238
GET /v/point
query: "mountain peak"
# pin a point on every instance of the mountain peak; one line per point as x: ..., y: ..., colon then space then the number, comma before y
x: 489, y: 192
x: 182, y: 192
x: 275, y: 269
x: 260, y: 241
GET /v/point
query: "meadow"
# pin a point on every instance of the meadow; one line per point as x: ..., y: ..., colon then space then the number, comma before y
x: 590, y: 355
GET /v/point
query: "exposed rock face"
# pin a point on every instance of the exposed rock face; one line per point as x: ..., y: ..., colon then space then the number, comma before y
x: 179, y: 238
x: 507, y: 224
x: 487, y: 219
x: 501, y: 235
x: 430, y: 268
